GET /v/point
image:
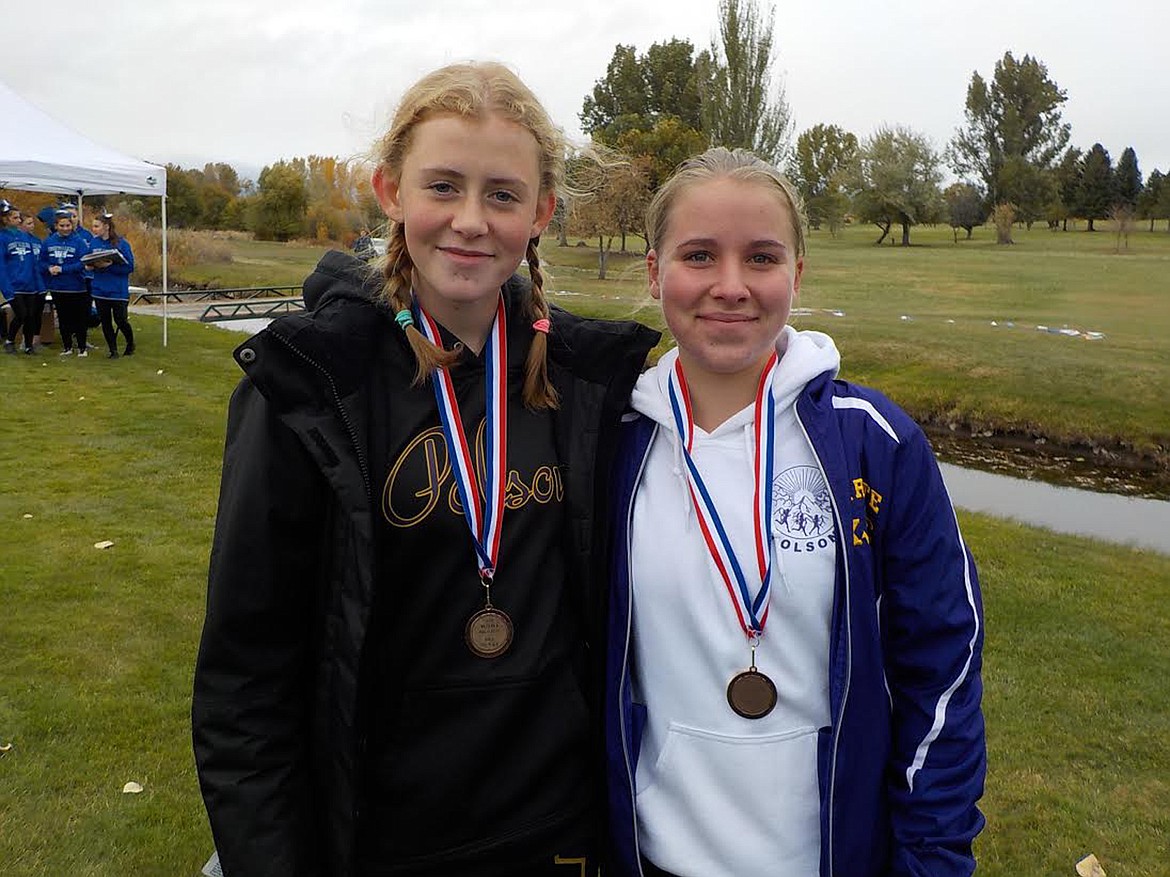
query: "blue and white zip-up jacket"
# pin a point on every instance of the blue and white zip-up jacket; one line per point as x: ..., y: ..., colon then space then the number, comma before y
x: 20, y: 252
x: 113, y: 283
x: 66, y: 252
x: 901, y: 764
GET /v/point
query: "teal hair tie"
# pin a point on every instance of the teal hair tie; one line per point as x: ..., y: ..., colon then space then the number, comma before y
x: 404, y: 318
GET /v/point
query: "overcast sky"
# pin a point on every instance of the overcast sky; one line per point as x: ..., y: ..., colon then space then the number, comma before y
x: 249, y: 82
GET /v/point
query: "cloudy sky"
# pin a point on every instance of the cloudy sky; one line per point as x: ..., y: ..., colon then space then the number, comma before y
x: 250, y: 82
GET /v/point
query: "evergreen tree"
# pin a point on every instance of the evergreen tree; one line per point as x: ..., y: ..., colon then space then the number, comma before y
x: 1128, y: 182
x: 1150, y: 201
x: 1068, y: 185
x: 1098, y: 191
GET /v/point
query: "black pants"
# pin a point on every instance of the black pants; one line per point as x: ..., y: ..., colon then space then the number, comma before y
x: 111, y: 313
x: 72, y: 317
x: 27, y: 309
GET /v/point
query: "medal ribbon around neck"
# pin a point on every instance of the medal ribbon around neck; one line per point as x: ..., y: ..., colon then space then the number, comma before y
x: 484, y: 517
x: 752, y: 611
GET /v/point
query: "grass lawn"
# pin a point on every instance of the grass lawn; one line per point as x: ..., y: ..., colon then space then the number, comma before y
x: 918, y: 324
x: 947, y: 330
x: 97, y: 646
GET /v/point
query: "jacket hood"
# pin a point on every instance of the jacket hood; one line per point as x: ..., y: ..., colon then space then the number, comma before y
x: 339, y: 275
x: 803, y: 357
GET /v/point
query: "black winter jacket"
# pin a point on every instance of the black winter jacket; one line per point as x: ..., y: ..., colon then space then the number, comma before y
x: 276, y: 714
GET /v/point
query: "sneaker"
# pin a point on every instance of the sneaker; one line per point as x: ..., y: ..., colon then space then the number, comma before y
x: 68, y: 352
x: 129, y: 351
x: 29, y: 351
x: 82, y: 353
x: 9, y: 347
x: 113, y: 354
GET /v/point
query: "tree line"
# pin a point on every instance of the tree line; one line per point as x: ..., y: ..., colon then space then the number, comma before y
x: 1011, y: 155
x: 318, y: 197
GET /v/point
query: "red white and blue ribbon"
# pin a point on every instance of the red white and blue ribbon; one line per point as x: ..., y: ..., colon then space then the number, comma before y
x: 483, y: 510
x: 752, y: 609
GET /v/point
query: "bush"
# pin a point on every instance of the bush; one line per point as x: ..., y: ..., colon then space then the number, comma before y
x: 184, y: 248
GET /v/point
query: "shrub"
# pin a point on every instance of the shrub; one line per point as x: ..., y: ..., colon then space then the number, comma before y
x: 184, y: 248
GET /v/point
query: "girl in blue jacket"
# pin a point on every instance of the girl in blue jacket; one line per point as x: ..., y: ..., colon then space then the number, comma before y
x: 111, y: 284
x: 20, y: 279
x: 793, y: 675
x: 64, y: 276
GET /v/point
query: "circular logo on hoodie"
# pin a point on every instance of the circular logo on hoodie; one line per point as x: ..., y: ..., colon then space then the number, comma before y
x: 801, y: 508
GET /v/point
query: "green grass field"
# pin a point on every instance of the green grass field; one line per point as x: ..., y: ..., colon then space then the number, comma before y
x: 97, y: 646
x: 918, y: 323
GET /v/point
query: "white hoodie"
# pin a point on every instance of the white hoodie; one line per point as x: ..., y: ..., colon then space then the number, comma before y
x: 718, y: 794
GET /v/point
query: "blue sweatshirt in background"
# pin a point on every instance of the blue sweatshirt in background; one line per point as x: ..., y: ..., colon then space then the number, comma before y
x: 20, y: 252
x: 113, y: 283
x: 66, y: 252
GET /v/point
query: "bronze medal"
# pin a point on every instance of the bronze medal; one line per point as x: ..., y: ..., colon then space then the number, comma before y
x: 488, y: 633
x: 751, y: 694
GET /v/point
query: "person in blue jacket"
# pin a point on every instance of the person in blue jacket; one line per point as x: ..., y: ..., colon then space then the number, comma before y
x: 20, y: 278
x: 64, y: 277
x: 78, y: 226
x: 8, y: 214
x: 793, y: 664
x: 111, y: 284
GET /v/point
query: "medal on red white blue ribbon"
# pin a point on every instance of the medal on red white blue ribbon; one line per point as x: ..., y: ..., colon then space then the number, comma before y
x: 751, y: 694
x: 489, y: 631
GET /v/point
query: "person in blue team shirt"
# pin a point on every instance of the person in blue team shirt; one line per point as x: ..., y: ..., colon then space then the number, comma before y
x: 36, y: 307
x: 64, y: 276
x: 19, y: 252
x: 78, y: 226
x: 111, y: 284
x: 9, y: 217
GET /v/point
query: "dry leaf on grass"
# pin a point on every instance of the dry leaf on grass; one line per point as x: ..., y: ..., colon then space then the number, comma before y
x: 131, y: 788
x: 102, y: 545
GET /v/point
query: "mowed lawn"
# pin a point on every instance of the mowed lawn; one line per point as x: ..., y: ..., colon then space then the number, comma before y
x: 948, y: 330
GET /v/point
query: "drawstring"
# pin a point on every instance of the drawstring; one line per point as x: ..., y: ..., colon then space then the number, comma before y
x: 679, y: 472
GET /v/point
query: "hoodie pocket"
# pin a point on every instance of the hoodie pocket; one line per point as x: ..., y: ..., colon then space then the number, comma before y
x: 722, y: 802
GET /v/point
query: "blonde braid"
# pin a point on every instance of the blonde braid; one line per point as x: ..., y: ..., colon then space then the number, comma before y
x: 397, y: 269
x: 538, y: 389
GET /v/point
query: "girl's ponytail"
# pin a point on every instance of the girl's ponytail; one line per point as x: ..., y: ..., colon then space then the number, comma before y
x: 397, y: 270
x: 539, y: 392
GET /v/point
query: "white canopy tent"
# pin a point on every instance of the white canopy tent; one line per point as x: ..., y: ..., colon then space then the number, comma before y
x: 40, y: 154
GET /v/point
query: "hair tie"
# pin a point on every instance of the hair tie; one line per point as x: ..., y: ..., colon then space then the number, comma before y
x: 404, y: 318
x: 542, y: 325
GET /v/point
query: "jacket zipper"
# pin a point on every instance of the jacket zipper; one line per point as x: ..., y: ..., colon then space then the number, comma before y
x: 349, y: 428
x: 626, y: 650
x: 848, y: 635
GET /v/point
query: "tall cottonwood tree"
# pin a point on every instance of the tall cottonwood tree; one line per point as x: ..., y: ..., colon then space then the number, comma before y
x: 740, y: 106
x: 1010, y: 124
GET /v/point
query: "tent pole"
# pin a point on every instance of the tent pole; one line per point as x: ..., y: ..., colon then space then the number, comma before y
x: 166, y: 296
